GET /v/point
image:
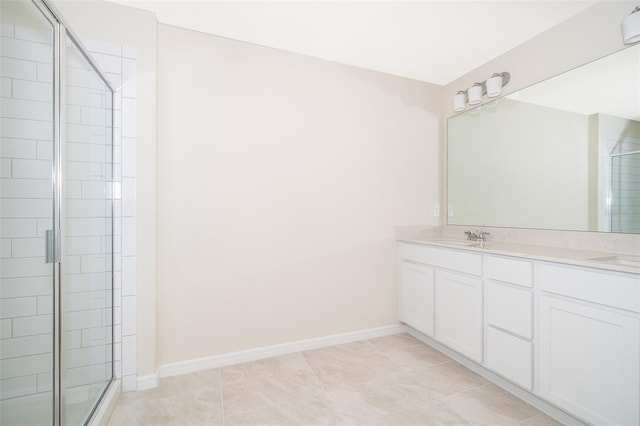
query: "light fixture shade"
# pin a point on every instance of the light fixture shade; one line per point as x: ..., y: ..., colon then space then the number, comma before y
x: 475, y: 94
x: 631, y: 27
x: 459, y: 102
x: 494, y: 86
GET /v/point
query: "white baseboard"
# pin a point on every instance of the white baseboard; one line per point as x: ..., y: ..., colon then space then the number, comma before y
x: 232, y: 358
x: 148, y: 381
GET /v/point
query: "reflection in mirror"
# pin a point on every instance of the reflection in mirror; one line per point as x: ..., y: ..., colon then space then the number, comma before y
x: 561, y: 154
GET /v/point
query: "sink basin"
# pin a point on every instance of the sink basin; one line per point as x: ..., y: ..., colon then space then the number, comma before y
x: 621, y: 259
x: 463, y: 243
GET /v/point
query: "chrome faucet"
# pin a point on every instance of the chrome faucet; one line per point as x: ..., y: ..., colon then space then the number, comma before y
x: 477, y: 235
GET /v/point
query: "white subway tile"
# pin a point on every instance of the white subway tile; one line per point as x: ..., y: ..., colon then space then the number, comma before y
x: 85, y: 300
x: 28, y: 247
x: 73, y: 190
x: 108, y: 63
x: 18, y: 386
x: 45, y: 150
x: 129, y: 52
x: 129, y: 118
x: 117, y: 135
x: 92, y: 190
x: 27, y: 50
x: 77, y: 227
x: 17, y: 148
x: 25, y: 188
x: 128, y: 236
x: 117, y: 315
x: 87, y: 208
x: 81, y: 376
x: 117, y: 368
x: 117, y: 285
x: 86, y: 282
x: 17, y: 307
x: 84, y: 96
x: 26, y: 129
x: 83, y: 245
x: 28, y: 345
x: 27, y: 286
x: 73, y: 339
x: 95, y: 46
x: 128, y: 355
x: 84, y: 171
x: 117, y: 154
x: 129, y: 78
x: 128, y: 315
x: 45, y: 382
x: 7, y: 30
x: 115, y: 79
x: 5, y: 167
x: 117, y: 262
x: 128, y: 275
x: 93, y: 263
x: 43, y: 226
x: 117, y: 101
x: 26, y: 110
x: 129, y: 157
x: 45, y: 73
x: 5, y: 87
x: 45, y: 304
x: 5, y: 248
x: 32, y: 169
x: 84, y: 78
x: 128, y: 197
x: 117, y: 244
x: 5, y: 328
x: 17, y: 68
x: 33, y: 90
x: 18, y: 208
x: 96, y: 116
x: 87, y: 152
x: 73, y: 114
x: 26, y: 365
x: 35, y: 34
x: 29, y: 326
x: 81, y: 357
x: 25, y: 267
x: 71, y: 265
x: 78, y: 320
x: 98, y: 336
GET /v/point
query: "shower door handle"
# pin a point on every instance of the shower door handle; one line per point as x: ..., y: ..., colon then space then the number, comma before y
x: 52, y: 246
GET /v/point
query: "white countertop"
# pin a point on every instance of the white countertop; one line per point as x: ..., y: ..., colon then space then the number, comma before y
x: 550, y: 254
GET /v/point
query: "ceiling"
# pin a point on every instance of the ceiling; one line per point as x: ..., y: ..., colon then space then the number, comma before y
x: 432, y: 41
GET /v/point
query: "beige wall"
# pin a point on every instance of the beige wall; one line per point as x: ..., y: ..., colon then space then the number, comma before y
x: 281, y: 180
x: 108, y: 22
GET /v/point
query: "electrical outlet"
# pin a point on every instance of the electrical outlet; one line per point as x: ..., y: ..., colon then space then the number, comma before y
x: 436, y: 210
x: 450, y: 210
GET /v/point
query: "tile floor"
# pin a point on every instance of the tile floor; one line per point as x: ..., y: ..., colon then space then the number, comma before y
x: 393, y: 380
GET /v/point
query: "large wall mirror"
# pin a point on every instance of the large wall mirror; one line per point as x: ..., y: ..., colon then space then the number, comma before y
x: 561, y: 154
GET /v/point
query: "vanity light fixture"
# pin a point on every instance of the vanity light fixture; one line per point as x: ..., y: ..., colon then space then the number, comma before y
x: 631, y: 27
x: 492, y: 87
x: 460, y: 101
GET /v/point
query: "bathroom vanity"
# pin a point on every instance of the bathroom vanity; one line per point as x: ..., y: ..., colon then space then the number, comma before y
x: 562, y: 325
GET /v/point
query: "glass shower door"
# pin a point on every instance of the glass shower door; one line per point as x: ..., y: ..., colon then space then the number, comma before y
x: 87, y: 246
x: 27, y: 191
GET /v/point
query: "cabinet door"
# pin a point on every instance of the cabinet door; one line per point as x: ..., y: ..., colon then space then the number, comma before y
x: 509, y: 356
x: 459, y: 313
x: 416, y: 297
x: 589, y: 361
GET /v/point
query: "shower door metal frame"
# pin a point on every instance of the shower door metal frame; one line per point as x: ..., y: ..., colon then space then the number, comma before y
x: 60, y: 33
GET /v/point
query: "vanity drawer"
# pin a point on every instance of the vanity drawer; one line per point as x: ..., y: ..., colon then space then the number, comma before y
x: 510, y: 270
x: 470, y: 263
x: 510, y: 357
x: 509, y: 308
x: 605, y: 288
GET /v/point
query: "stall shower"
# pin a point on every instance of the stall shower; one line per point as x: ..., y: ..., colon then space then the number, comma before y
x: 56, y: 221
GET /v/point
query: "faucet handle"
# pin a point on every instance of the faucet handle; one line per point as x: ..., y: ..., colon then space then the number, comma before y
x: 482, y: 235
x: 471, y: 235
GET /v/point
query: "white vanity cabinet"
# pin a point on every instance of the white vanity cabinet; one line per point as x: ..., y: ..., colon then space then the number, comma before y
x: 567, y: 334
x: 589, y: 352
x: 416, y: 296
x: 459, y: 313
x: 446, y: 284
x: 509, y: 319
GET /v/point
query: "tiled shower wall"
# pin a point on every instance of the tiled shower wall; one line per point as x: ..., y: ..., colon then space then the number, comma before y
x: 25, y: 280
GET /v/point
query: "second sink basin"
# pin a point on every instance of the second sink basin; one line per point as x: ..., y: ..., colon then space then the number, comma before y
x: 620, y: 259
